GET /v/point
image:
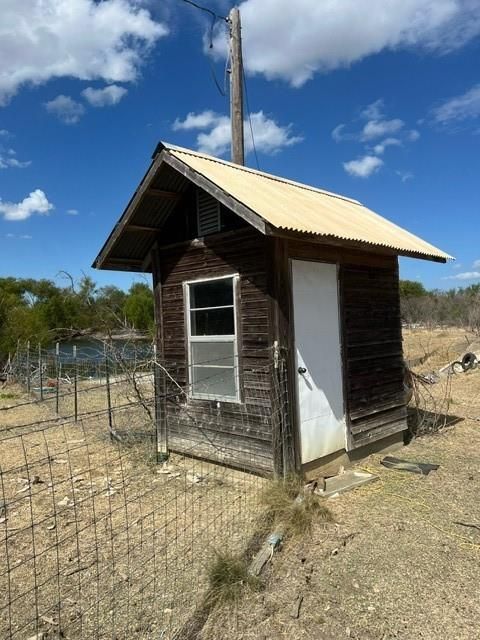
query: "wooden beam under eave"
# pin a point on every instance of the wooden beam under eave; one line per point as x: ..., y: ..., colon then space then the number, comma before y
x: 160, y: 193
x: 129, y: 261
x: 141, y: 227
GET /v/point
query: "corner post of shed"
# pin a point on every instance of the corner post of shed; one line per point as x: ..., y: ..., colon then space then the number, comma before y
x: 284, y: 423
x: 161, y: 425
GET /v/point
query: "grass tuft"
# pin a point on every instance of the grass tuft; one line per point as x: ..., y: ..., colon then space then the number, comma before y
x: 295, y: 515
x: 228, y: 577
x: 8, y: 396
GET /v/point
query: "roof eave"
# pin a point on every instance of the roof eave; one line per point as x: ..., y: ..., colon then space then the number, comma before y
x: 354, y: 244
x: 161, y: 155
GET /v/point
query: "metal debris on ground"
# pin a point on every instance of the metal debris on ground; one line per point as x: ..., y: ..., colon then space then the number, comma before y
x: 428, y: 378
x: 469, y: 362
x: 422, y: 468
x: 343, y: 482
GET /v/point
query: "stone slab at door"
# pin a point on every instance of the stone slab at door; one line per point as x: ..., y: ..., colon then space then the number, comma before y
x: 321, y: 413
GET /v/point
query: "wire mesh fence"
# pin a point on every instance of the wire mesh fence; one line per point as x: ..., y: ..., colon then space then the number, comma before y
x: 99, y: 540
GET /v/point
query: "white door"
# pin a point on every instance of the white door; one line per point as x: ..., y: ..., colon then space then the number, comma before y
x: 318, y: 359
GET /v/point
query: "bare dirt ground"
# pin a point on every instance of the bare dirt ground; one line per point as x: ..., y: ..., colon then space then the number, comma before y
x: 395, y: 564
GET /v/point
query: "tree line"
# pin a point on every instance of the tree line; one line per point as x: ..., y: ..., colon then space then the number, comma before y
x: 42, y: 311
x: 458, y: 307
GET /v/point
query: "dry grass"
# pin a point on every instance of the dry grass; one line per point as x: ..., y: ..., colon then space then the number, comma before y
x: 437, y: 348
x: 229, y: 579
x: 288, y: 505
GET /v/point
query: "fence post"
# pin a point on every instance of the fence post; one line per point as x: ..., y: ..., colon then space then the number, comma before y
x: 40, y: 372
x: 111, y: 430
x: 57, y: 372
x: 75, y: 397
x: 160, y: 409
x: 27, y: 365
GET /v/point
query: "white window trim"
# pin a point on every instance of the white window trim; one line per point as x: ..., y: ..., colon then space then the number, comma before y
x: 222, y: 338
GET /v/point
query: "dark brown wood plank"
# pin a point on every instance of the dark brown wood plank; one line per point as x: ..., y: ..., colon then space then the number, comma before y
x: 373, y: 351
x: 244, y: 427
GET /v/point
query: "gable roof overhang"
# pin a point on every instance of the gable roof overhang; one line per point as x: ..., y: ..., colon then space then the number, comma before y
x: 272, y: 205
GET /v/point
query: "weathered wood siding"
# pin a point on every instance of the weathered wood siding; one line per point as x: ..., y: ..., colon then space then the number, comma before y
x: 238, y: 434
x: 373, y: 355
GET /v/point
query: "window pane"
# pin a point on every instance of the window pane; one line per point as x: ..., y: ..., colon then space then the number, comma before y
x: 217, y: 353
x: 217, y: 293
x: 214, y: 322
x: 213, y: 381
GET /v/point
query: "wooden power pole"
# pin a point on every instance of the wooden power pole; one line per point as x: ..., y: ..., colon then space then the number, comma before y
x: 236, y: 87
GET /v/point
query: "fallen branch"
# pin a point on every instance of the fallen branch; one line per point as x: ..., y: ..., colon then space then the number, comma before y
x: 472, y: 525
x: 83, y: 567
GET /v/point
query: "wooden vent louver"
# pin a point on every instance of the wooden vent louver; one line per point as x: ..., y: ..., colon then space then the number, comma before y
x: 208, y: 214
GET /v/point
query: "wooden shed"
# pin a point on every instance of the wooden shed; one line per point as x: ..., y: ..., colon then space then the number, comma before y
x: 277, y: 314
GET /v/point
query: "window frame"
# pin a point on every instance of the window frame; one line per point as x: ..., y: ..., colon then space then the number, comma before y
x: 228, y: 338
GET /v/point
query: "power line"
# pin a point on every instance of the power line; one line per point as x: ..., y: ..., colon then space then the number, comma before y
x: 215, y: 17
x: 250, y: 119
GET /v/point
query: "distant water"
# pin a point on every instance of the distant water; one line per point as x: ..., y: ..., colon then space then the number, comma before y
x: 93, y: 350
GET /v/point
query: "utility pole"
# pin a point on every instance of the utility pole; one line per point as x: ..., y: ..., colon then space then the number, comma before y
x: 236, y: 87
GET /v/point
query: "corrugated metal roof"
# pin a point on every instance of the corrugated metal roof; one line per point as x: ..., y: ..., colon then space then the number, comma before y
x: 292, y: 206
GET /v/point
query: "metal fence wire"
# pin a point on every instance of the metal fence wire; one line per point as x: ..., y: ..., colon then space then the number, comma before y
x: 98, y: 539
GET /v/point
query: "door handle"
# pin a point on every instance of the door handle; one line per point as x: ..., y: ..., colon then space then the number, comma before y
x: 302, y: 370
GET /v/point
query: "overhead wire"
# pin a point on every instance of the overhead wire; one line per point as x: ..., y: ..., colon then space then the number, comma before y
x: 215, y: 17
x: 247, y: 104
x: 223, y: 91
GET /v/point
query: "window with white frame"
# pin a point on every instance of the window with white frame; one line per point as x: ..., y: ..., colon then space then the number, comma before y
x: 212, y: 338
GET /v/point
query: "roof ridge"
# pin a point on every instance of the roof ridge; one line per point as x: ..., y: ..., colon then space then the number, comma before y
x: 270, y: 176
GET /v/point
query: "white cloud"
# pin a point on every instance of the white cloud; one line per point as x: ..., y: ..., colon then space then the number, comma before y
x: 405, y: 176
x: 476, y: 264
x: 363, y: 167
x: 8, y: 160
x: 339, y: 135
x: 8, y: 157
x: 25, y: 236
x: 388, y: 142
x: 459, y: 266
x: 66, y: 109
x: 373, y: 111
x: 467, y: 275
x: 378, y: 128
x: 369, y: 127
x: 35, y: 203
x: 463, y: 107
x: 215, y: 135
x: 202, y: 120
x: 72, y: 212
x: 106, y: 97
x: 294, y: 40
x: 269, y: 136
x: 84, y: 39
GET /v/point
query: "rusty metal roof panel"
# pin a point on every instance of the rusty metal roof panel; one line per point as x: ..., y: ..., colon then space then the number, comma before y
x: 292, y: 206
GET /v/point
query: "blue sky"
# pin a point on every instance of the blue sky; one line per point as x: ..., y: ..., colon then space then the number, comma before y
x: 377, y: 99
